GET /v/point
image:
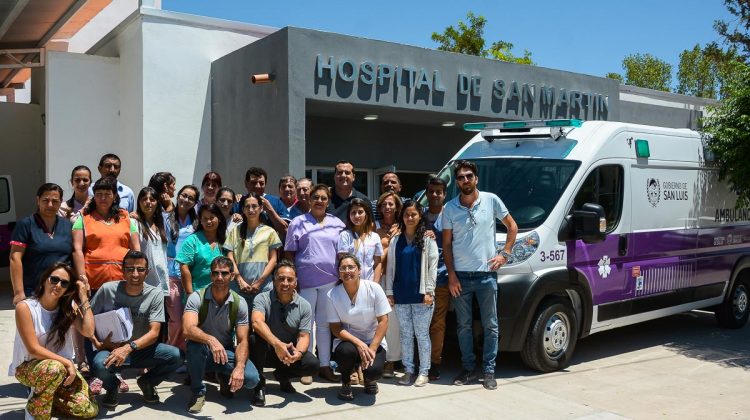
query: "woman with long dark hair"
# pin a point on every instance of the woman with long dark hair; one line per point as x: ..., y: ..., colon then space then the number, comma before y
x: 180, y: 224
x: 357, y: 312
x: 360, y: 239
x: 225, y: 199
x: 80, y: 180
x: 410, y: 286
x: 39, y: 241
x: 103, y: 236
x: 210, y: 187
x: 43, y: 349
x: 252, y: 248
x: 153, y: 238
x: 164, y: 185
x: 200, y: 249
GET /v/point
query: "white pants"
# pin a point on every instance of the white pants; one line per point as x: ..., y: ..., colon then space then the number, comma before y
x: 393, y: 337
x: 318, y: 298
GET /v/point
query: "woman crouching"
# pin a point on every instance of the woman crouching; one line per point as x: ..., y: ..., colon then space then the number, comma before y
x: 43, y: 350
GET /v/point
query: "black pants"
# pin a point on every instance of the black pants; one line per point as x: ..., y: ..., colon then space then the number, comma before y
x: 263, y: 355
x: 347, y: 357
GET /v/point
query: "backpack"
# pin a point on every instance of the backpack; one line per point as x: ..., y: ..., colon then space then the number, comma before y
x: 234, y: 307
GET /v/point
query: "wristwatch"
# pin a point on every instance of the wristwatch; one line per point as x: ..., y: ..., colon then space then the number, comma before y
x: 133, y: 345
x: 505, y: 254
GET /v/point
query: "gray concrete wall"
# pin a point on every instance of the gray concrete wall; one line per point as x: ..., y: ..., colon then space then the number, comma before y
x: 22, y: 142
x: 251, y: 123
x: 662, y: 116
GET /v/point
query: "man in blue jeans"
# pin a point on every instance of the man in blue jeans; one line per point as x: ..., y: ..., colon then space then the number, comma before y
x: 471, y: 260
x: 212, y: 317
x: 146, y: 306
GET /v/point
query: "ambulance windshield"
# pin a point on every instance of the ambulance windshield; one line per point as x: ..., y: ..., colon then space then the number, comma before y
x: 529, y: 188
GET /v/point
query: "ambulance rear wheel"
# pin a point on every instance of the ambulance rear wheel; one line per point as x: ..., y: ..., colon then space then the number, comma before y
x: 552, y: 337
x: 734, y: 311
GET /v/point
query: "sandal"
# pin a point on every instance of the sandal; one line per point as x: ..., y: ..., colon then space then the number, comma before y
x: 123, y: 386
x: 95, y: 386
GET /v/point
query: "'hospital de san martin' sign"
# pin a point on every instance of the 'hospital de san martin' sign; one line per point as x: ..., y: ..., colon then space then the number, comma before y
x: 384, y: 83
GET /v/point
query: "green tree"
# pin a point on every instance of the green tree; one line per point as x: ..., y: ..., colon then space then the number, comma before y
x: 647, y: 71
x: 701, y: 71
x: 736, y: 32
x: 728, y: 128
x: 468, y: 38
x: 616, y: 76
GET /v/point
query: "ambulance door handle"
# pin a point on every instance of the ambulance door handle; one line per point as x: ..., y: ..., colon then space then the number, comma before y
x: 623, y: 245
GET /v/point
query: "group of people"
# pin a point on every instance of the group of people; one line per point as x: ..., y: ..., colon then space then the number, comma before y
x: 318, y: 280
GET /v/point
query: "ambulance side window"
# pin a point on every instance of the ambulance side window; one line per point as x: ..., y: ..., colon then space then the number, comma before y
x: 4, y: 196
x: 603, y: 186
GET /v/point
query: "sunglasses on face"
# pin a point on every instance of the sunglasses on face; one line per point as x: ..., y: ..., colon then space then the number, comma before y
x: 221, y: 273
x: 54, y: 280
x: 134, y: 269
x: 467, y: 177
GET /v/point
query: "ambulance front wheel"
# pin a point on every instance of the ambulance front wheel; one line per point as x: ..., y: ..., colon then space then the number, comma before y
x: 552, y: 337
x: 734, y: 311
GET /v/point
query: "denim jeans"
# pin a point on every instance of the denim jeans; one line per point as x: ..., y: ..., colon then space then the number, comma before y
x: 160, y: 359
x: 483, y: 285
x: 414, y: 320
x: 200, y: 360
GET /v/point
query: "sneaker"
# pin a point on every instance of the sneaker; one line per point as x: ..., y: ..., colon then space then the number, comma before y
x: 284, y: 383
x: 326, y: 372
x: 109, y: 400
x: 306, y: 380
x: 150, y: 396
x: 489, y: 381
x: 346, y: 394
x: 466, y: 377
x: 434, y: 372
x: 95, y: 386
x: 259, y: 396
x: 422, y: 380
x: 196, y: 403
x: 388, y: 370
x: 406, y: 379
x: 371, y: 387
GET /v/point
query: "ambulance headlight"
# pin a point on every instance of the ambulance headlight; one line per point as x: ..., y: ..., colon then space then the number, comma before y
x: 522, y: 249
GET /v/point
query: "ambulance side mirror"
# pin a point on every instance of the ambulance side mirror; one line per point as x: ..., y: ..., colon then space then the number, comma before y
x: 588, y: 224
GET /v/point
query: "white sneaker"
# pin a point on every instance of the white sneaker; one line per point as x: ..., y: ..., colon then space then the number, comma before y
x: 406, y: 379
x: 422, y: 380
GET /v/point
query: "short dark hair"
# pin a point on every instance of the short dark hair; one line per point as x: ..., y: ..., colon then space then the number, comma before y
x: 343, y: 162
x: 286, y: 178
x: 211, y: 176
x: 108, y: 183
x: 285, y: 263
x: 109, y: 156
x: 389, y: 173
x: 464, y: 164
x: 436, y: 180
x: 351, y: 256
x: 50, y: 186
x: 321, y: 187
x: 221, y: 261
x: 253, y: 171
x: 135, y: 255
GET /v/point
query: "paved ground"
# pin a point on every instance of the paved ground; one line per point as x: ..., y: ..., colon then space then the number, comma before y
x: 679, y: 367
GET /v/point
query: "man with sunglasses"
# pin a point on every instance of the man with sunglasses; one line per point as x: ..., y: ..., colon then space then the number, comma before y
x: 212, y: 318
x: 146, y: 306
x: 471, y: 260
x: 282, y: 321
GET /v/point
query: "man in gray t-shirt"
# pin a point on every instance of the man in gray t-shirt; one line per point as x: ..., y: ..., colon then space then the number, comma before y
x: 282, y: 321
x: 209, y: 329
x: 146, y: 305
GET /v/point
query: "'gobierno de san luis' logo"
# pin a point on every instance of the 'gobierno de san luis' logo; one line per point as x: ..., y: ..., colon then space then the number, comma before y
x: 653, y: 191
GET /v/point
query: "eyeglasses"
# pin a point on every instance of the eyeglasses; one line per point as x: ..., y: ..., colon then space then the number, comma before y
x: 221, y: 273
x: 54, y: 280
x: 471, y: 218
x: 466, y: 177
x: 140, y: 270
x: 187, y: 197
x: 347, y: 268
x: 317, y: 197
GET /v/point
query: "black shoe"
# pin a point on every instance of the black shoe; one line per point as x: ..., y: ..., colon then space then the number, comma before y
x: 259, y: 397
x: 186, y: 381
x: 284, y: 383
x: 224, y: 388
x: 150, y: 396
x: 434, y: 372
x: 371, y: 387
x: 489, y: 381
x: 466, y: 377
x: 346, y: 393
x: 109, y: 400
x: 196, y: 403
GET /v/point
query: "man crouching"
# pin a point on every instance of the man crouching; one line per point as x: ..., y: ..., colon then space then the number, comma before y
x: 212, y: 317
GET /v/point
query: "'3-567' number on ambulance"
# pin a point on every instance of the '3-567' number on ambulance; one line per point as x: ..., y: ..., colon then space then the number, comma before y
x: 552, y: 255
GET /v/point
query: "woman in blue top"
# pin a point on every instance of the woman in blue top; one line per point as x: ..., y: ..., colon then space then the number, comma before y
x: 410, y: 285
x: 200, y: 248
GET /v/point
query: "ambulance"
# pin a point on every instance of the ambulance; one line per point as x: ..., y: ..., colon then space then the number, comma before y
x: 7, y: 218
x: 618, y: 224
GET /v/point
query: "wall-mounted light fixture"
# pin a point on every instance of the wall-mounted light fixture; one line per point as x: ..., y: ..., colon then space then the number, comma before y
x: 262, y: 78
x: 371, y: 117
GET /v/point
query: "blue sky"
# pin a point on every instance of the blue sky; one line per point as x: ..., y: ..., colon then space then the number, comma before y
x: 583, y: 36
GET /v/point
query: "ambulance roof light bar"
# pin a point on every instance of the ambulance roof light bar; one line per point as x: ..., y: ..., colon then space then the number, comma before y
x: 516, y: 125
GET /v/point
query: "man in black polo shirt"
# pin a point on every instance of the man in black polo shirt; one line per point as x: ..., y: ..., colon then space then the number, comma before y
x: 343, y: 191
x: 282, y: 321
